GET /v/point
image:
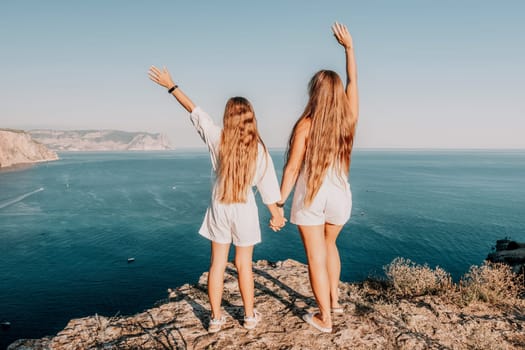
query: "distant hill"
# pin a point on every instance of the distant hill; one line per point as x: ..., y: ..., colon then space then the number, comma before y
x: 101, y: 140
x: 17, y: 147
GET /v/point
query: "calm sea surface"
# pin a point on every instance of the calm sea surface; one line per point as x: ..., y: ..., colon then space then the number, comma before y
x: 68, y: 227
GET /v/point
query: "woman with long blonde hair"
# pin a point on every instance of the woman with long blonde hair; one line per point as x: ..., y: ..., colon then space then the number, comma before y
x: 240, y: 160
x: 318, y: 165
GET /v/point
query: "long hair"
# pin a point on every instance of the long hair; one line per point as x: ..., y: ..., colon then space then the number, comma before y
x: 331, y: 134
x: 237, y: 151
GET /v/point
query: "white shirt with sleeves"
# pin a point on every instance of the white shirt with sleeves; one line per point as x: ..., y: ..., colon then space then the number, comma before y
x: 238, y: 222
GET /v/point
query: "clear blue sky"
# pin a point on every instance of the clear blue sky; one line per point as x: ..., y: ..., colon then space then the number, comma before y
x: 431, y: 73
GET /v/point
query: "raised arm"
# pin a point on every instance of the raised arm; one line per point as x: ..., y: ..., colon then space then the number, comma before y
x: 163, y: 78
x: 345, y: 39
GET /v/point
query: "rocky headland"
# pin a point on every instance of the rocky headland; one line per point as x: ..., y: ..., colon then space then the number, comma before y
x: 18, y: 147
x: 416, y: 307
x: 511, y: 253
x: 101, y: 140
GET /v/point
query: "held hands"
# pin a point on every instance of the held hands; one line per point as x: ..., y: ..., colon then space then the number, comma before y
x: 277, y: 222
x: 161, y: 77
x: 342, y: 35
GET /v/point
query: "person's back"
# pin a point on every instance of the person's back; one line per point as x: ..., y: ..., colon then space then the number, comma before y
x: 318, y: 165
x: 237, y: 155
x: 231, y: 214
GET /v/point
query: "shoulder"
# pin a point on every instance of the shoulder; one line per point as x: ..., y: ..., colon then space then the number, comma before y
x: 262, y: 151
x: 304, y: 123
x: 201, y: 118
x: 261, y: 148
x: 302, y: 129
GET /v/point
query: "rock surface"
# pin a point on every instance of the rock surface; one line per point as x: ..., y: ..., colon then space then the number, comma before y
x: 101, y: 140
x: 372, y: 320
x: 511, y: 253
x: 17, y: 147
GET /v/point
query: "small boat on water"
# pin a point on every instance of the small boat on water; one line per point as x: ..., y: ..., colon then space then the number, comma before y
x: 5, y: 324
x: 130, y: 260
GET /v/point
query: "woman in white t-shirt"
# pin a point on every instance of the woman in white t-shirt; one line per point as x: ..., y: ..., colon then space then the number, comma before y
x: 240, y: 160
x: 317, y: 164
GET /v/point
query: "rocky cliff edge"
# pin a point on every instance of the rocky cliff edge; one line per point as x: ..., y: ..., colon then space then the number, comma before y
x: 428, y: 313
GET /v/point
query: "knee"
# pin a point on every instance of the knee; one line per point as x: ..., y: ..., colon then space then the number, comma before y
x: 243, y: 264
x: 217, y: 265
x: 330, y: 240
x: 331, y: 246
x: 317, y: 257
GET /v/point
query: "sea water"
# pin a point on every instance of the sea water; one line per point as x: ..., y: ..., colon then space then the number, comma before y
x: 67, y: 228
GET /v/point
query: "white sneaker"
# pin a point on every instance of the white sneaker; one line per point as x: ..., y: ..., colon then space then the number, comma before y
x: 216, y: 324
x: 251, y: 322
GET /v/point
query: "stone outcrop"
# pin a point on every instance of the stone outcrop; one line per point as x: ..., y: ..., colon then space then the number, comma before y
x: 101, y: 140
x: 17, y: 147
x: 511, y: 253
x: 373, y: 319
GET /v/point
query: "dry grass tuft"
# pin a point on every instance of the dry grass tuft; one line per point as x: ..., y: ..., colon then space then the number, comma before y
x: 492, y: 283
x: 409, y: 279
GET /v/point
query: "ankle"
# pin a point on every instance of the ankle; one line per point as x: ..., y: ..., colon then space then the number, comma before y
x: 325, y: 318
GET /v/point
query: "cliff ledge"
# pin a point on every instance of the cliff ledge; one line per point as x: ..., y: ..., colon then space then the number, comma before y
x: 378, y: 315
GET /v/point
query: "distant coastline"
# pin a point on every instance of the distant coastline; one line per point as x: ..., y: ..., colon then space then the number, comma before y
x: 18, y: 148
x: 101, y: 140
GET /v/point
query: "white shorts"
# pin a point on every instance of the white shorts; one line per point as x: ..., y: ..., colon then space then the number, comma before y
x: 332, y: 204
x: 237, y: 223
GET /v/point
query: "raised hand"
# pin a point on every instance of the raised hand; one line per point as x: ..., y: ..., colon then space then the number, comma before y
x: 161, y: 77
x: 342, y: 35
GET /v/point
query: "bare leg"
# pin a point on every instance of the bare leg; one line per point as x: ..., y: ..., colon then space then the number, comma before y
x: 333, y: 262
x: 315, y: 247
x: 219, y: 259
x: 243, y: 262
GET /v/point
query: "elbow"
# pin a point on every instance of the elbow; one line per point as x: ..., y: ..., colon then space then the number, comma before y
x: 353, y: 119
x: 189, y: 107
x: 292, y: 171
x: 355, y: 112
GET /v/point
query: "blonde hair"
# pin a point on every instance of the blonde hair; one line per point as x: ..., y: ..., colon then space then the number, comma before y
x: 237, y: 151
x: 331, y: 135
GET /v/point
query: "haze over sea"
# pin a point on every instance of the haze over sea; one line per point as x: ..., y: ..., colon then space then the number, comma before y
x: 68, y: 227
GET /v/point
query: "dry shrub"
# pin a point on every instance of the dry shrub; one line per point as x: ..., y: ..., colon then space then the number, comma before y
x: 410, y: 279
x: 492, y: 283
x: 482, y: 336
